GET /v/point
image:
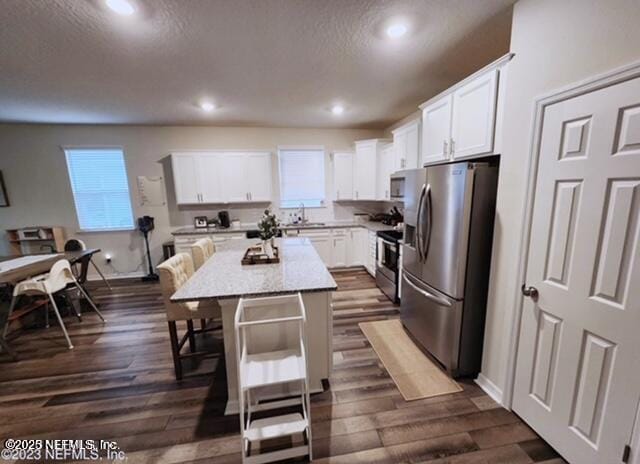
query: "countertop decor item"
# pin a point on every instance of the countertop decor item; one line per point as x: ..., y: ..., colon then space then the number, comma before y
x: 268, y: 227
x: 257, y: 255
x: 200, y: 222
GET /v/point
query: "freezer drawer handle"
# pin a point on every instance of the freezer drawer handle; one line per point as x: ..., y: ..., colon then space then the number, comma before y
x: 431, y: 296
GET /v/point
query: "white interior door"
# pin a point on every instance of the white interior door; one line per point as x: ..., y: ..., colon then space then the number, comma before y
x: 474, y: 115
x: 578, y: 367
x: 436, y: 130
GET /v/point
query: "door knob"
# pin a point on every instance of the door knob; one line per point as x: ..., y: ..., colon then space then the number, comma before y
x: 531, y: 292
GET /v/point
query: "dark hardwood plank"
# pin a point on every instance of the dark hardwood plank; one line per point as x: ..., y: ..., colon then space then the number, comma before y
x: 118, y: 384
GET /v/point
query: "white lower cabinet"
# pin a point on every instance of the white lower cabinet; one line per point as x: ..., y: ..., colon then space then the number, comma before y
x: 340, y: 247
x: 339, y: 252
x: 321, y: 241
x: 372, y: 244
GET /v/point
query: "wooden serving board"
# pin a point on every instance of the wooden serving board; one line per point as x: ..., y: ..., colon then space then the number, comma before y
x: 251, y: 257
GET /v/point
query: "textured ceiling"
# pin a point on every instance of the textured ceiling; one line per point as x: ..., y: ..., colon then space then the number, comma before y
x: 264, y: 62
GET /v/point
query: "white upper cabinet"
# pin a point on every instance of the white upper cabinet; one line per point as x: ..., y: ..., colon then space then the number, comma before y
x: 209, y: 179
x: 385, y: 169
x: 406, y: 142
x: 221, y: 177
x: 436, y: 130
x: 466, y: 120
x: 473, y: 121
x: 234, y: 177
x: 258, y: 176
x: 365, y: 178
x: 343, y: 176
x: 185, y: 178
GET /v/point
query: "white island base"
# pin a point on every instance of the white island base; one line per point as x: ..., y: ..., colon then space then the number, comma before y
x: 319, y: 338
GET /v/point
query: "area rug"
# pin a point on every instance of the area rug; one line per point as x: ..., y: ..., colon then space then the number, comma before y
x: 415, y: 375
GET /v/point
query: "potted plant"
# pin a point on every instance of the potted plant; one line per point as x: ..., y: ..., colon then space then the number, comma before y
x: 268, y: 227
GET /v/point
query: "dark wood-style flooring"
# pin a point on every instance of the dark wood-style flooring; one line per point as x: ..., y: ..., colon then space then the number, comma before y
x: 118, y: 384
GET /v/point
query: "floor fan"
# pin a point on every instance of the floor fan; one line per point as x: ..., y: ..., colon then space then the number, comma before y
x: 145, y: 225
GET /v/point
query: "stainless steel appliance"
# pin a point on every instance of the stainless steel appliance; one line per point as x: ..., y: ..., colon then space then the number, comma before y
x: 397, y: 185
x: 388, y: 262
x: 449, y: 215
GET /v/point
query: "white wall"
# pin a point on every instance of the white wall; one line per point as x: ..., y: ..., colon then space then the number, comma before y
x: 35, y: 173
x: 556, y: 44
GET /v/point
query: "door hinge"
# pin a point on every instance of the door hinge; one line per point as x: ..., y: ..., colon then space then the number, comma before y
x: 626, y: 453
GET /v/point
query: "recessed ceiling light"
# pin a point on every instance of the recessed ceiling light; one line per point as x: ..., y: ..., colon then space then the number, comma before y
x: 122, y: 7
x: 207, y: 107
x: 337, y: 109
x: 397, y: 30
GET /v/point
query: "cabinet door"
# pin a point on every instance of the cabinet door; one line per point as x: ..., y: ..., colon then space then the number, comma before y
x: 343, y: 176
x: 234, y: 179
x: 358, y: 247
x: 208, y: 175
x: 474, y: 110
x: 323, y: 248
x: 339, y: 252
x: 259, y: 176
x: 400, y: 150
x: 436, y: 130
x: 412, y: 147
x: 365, y: 172
x: 385, y: 168
x: 185, y: 178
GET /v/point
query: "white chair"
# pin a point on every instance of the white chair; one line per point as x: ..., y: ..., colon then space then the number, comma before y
x: 174, y: 272
x: 201, y: 251
x: 58, y: 279
x: 280, y: 368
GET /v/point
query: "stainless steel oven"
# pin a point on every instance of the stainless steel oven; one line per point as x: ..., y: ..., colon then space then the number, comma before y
x: 388, y: 262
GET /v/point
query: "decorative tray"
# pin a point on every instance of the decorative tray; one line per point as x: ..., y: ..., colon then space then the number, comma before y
x: 255, y: 255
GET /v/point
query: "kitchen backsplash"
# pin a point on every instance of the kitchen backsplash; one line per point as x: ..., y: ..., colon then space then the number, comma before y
x: 248, y: 214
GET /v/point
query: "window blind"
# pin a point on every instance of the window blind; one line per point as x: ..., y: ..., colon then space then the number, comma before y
x: 301, y: 177
x: 100, y: 189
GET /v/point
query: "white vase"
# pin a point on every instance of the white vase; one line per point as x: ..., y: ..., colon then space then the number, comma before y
x: 267, y: 247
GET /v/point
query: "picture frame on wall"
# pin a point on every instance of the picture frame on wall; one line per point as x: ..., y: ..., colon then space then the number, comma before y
x: 4, y: 198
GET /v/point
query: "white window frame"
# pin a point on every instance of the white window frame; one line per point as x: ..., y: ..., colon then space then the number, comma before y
x: 323, y: 201
x: 66, y: 150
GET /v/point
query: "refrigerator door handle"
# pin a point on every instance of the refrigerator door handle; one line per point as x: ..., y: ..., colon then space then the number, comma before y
x: 427, y: 238
x: 419, y: 224
x: 441, y: 301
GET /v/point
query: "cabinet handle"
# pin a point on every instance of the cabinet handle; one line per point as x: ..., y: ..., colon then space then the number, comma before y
x: 338, y: 195
x: 356, y: 194
x: 453, y: 147
x: 386, y: 194
x: 402, y: 163
x: 445, y: 148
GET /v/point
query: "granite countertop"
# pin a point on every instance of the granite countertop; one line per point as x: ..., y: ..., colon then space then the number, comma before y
x: 369, y: 225
x: 223, y: 276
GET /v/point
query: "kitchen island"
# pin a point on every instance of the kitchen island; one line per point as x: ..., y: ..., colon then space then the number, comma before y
x: 223, y: 278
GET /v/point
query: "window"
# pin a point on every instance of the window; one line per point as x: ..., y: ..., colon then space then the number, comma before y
x: 301, y: 177
x: 100, y: 188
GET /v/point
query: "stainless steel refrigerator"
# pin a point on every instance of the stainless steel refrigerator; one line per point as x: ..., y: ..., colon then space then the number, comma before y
x: 449, y: 218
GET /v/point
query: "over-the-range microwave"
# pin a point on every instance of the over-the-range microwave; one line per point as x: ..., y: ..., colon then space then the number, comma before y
x: 397, y: 186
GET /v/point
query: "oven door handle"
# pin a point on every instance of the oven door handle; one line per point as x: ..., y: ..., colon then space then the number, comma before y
x: 387, y: 242
x: 441, y: 301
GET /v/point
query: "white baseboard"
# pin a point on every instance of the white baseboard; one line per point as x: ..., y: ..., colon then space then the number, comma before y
x: 128, y: 275
x: 490, y: 388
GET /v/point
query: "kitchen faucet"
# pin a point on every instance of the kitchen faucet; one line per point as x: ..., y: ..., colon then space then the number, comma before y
x: 304, y: 217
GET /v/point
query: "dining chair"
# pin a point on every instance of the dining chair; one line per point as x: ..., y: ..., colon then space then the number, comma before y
x: 201, y: 251
x: 174, y: 273
x: 59, y: 278
x: 75, y: 244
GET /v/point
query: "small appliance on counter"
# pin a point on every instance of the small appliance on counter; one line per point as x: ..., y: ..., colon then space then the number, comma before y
x: 393, y: 218
x: 200, y: 222
x: 223, y: 217
x: 388, y: 263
